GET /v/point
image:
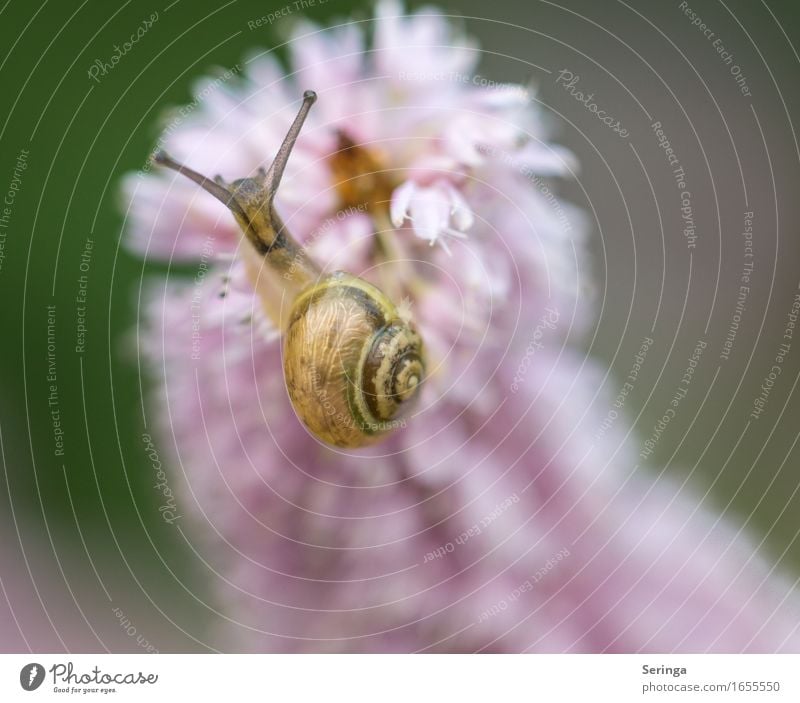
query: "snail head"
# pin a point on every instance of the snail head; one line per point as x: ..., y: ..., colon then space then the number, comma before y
x: 251, y: 199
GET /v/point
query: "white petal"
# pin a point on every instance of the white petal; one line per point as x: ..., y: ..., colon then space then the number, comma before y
x: 401, y: 199
x: 429, y: 213
x: 460, y: 210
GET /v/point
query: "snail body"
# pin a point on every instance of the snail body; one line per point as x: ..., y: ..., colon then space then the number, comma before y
x: 352, y: 362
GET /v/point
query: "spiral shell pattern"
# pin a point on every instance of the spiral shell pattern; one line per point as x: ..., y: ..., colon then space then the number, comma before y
x: 352, y: 365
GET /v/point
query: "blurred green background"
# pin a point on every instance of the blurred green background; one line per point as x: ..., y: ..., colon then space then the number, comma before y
x: 88, y: 522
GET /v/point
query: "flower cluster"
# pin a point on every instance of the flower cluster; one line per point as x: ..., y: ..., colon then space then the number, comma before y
x: 433, y: 190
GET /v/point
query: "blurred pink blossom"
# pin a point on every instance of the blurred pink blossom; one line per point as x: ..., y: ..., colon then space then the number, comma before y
x: 495, y: 521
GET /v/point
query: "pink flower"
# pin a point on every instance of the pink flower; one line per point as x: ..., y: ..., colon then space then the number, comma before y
x: 494, y: 521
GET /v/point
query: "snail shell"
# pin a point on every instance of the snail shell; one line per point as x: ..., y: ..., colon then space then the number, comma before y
x: 352, y: 365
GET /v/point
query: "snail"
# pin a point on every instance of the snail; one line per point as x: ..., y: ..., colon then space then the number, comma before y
x: 352, y: 362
